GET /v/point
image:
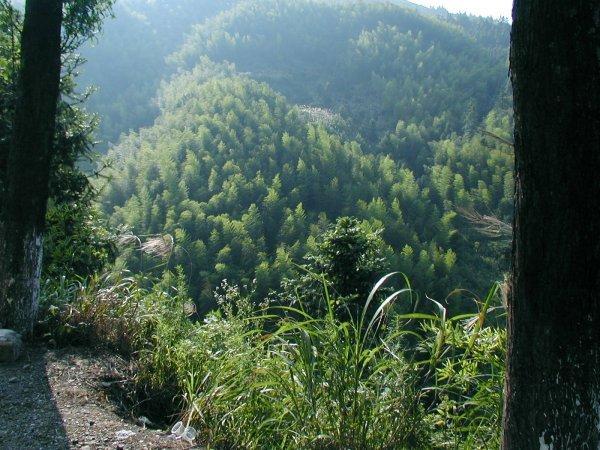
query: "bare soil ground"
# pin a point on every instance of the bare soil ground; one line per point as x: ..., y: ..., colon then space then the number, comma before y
x: 57, y: 399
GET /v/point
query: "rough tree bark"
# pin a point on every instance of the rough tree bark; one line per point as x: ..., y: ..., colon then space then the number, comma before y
x: 552, y: 398
x: 27, y: 173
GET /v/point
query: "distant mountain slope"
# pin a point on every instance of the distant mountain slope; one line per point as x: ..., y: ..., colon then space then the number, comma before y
x: 127, y: 62
x: 419, y: 8
x: 375, y: 63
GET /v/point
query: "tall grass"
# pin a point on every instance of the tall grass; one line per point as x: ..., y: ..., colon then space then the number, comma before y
x: 251, y: 377
x: 313, y: 382
x: 341, y: 386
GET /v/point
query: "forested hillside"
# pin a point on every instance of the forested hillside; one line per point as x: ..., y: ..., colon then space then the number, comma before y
x: 359, y: 72
x: 374, y: 63
x: 127, y: 60
x: 288, y: 115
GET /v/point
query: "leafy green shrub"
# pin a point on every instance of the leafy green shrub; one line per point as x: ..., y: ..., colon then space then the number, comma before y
x: 462, y: 362
x: 77, y: 244
x: 469, y: 412
x: 352, y: 258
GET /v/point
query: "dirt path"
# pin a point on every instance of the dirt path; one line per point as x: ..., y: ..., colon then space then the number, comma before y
x: 55, y: 400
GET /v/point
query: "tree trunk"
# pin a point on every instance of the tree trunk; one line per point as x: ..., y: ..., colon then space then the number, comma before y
x: 552, y: 398
x: 28, y: 169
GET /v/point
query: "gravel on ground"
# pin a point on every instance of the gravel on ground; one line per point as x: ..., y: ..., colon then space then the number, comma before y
x: 57, y: 399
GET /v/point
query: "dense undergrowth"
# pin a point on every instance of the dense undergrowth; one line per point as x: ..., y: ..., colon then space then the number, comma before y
x: 270, y: 376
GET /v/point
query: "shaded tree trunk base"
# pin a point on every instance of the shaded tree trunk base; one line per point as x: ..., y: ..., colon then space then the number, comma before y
x: 22, y: 290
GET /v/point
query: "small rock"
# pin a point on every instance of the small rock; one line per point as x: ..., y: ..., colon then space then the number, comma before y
x: 11, y: 345
x: 144, y: 421
x: 124, y: 434
x: 86, y: 447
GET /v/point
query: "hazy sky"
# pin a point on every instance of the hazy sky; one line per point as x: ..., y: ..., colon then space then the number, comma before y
x: 495, y: 8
